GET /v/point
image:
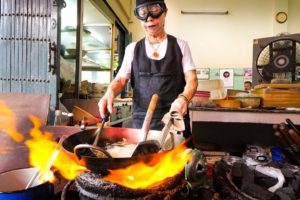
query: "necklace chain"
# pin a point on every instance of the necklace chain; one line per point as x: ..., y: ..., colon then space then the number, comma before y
x: 153, y: 47
x: 155, y: 50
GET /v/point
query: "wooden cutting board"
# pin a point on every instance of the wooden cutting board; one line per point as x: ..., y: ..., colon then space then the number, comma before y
x: 80, y: 114
x: 279, y: 95
x: 279, y: 86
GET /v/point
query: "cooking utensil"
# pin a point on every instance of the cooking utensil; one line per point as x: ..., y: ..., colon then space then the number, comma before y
x: 100, y: 128
x: 94, y: 149
x: 111, y: 135
x: 148, y: 146
x: 295, y: 136
x: 166, y: 131
x: 293, y: 126
x: 174, y: 115
x: 47, y: 168
x: 284, y: 144
x: 12, y: 184
x: 283, y: 128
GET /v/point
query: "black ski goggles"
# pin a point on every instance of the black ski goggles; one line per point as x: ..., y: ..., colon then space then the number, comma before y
x: 154, y: 10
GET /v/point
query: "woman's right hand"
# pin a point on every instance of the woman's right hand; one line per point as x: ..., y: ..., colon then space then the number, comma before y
x: 114, y: 89
x: 106, y: 103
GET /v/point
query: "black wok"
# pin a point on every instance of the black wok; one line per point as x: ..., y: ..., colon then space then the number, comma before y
x: 112, y: 135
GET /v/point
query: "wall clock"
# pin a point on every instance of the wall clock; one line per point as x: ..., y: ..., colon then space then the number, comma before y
x: 281, y: 17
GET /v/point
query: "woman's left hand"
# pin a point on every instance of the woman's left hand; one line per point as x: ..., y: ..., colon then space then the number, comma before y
x: 180, y: 105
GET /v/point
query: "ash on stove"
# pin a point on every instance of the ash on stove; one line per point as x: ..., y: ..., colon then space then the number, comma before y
x: 90, y: 186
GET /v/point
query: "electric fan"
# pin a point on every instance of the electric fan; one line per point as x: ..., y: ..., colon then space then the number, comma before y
x: 276, y: 59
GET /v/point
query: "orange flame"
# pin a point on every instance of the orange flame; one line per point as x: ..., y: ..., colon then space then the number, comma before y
x: 148, y: 175
x: 8, y: 123
x: 41, y: 149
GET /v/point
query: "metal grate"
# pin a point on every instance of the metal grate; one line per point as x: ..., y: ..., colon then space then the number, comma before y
x: 26, y: 44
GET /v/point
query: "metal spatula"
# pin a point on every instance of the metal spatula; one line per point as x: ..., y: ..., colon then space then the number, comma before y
x: 148, y: 146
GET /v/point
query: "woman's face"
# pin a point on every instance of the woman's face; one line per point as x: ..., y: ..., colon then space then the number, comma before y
x: 155, y: 27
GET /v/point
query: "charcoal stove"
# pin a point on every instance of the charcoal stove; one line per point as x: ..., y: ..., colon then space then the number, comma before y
x: 190, y: 184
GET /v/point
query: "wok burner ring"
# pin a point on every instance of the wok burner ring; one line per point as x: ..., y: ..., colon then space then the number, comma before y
x: 90, y: 186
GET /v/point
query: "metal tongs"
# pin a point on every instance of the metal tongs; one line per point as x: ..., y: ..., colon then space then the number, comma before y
x: 94, y: 150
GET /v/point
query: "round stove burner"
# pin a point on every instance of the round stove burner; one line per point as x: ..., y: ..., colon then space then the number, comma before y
x: 91, y: 186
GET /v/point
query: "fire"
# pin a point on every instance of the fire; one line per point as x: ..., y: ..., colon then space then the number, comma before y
x: 148, y: 175
x: 8, y: 123
x: 44, y: 152
x: 43, y: 149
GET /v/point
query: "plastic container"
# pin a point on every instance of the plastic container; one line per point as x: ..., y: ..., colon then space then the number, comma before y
x: 199, y: 97
x: 277, y: 155
x: 215, y: 87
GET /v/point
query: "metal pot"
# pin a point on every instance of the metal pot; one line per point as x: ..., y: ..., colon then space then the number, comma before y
x: 114, y: 135
x: 13, y: 183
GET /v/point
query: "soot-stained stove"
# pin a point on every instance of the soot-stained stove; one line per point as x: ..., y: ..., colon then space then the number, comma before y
x: 192, y: 183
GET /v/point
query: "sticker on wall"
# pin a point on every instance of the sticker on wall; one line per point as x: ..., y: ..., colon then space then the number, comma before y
x: 202, y: 73
x: 248, y: 73
x: 227, y: 75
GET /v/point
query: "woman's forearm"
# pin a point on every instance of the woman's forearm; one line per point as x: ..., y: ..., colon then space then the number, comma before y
x: 191, y: 84
x: 115, y: 87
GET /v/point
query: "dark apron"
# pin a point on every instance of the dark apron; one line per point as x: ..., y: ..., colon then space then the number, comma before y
x: 164, y: 77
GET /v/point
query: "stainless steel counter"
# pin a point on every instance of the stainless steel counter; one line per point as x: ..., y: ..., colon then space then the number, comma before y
x: 268, y: 116
x: 232, y: 129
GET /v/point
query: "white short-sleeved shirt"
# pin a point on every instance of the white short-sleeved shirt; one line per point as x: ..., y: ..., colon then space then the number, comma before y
x: 187, y: 61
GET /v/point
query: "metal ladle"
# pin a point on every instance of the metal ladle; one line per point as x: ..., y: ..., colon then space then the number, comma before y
x: 94, y: 150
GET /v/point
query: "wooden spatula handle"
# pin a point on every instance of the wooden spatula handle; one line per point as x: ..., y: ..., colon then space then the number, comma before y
x: 153, y: 103
x: 149, y: 114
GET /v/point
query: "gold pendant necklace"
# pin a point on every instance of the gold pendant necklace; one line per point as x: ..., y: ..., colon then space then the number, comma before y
x: 155, y: 50
x: 155, y: 53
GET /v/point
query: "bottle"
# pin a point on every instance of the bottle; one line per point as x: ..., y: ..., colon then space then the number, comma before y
x: 83, y: 123
x: 57, y: 119
x: 277, y: 156
x: 70, y: 119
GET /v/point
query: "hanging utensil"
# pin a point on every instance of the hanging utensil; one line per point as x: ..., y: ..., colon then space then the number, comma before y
x: 94, y: 150
x: 148, y: 146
